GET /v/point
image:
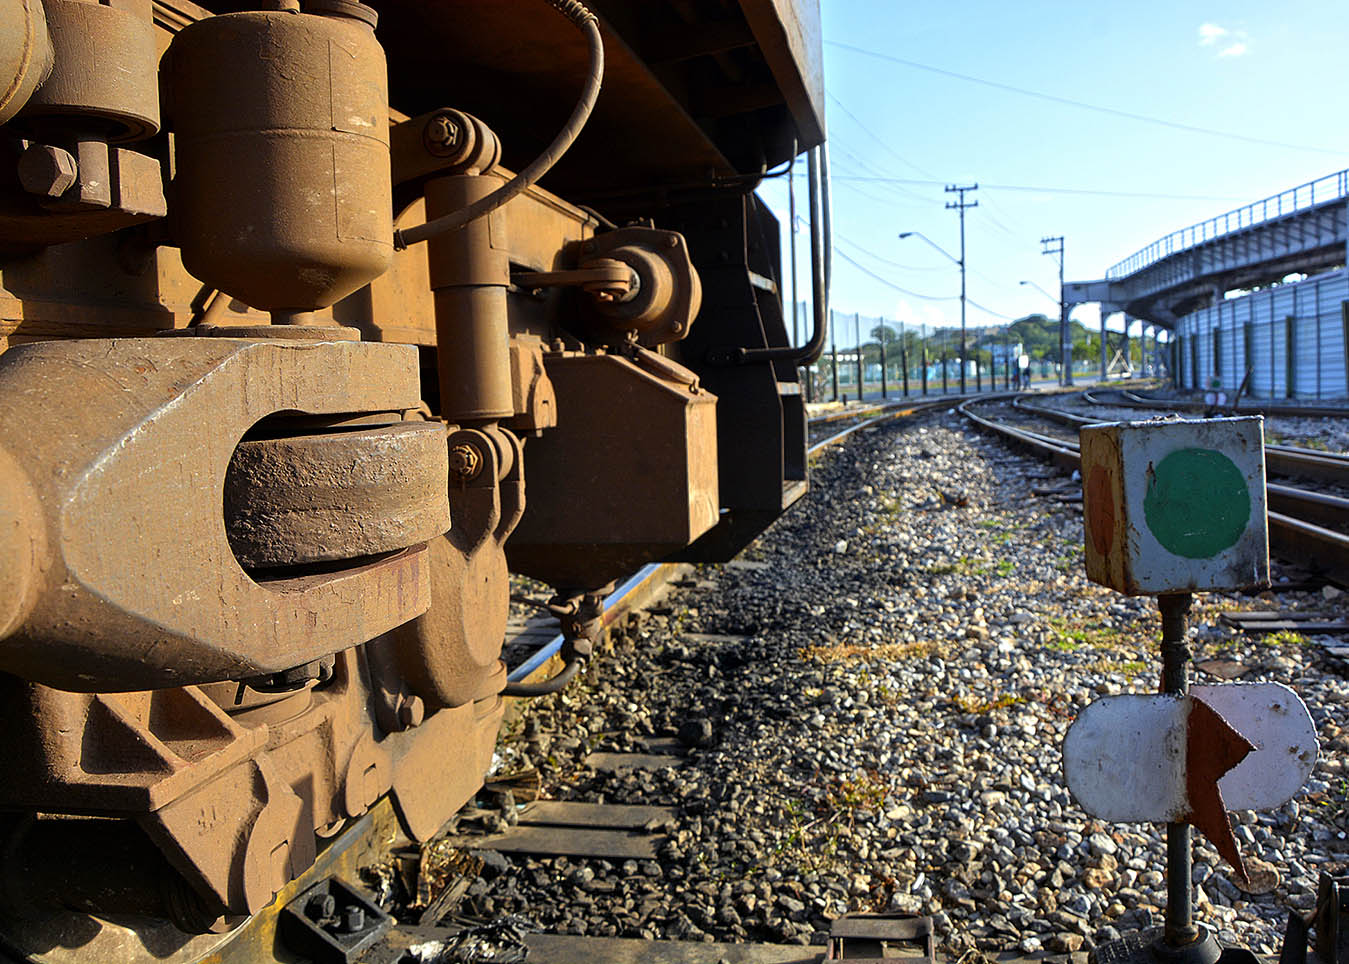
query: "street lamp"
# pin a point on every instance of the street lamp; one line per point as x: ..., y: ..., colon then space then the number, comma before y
x: 961, y: 263
x: 1039, y: 289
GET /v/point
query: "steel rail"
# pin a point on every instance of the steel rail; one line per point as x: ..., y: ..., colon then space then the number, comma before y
x: 1296, y: 539
x: 1290, y: 460
x: 1134, y: 400
x: 647, y: 580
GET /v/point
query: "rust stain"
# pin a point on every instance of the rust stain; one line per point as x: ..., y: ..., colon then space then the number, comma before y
x: 1212, y: 748
x: 1100, y: 510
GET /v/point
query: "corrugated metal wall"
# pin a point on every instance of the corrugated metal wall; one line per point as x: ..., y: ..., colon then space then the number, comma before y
x: 1261, y: 330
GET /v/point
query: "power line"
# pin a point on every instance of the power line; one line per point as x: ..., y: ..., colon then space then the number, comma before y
x: 893, y: 264
x: 905, y: 291
x: 876, y: 137
x: 890, y: 284
x: 871, y: 170
x: 1055, y: 98
x: 901, y: 158
x: 1043, y: 189
x: 996, y: 314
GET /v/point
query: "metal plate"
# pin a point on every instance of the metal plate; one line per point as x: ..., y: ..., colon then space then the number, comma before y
x: 1124, y: 758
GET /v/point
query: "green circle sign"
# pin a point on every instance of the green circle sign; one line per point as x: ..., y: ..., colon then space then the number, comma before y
x: 1197, y: 503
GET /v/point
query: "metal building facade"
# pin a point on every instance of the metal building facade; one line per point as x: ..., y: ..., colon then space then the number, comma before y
x: 1294, y: 339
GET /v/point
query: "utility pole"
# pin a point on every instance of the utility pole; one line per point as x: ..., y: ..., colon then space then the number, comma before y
x: 1055, y: 246
x: 960, y: 206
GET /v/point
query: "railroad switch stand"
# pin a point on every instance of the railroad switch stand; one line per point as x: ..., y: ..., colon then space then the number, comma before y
x: 1172, y: 507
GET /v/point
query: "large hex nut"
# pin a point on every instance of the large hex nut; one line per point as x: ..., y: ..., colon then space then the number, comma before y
x: 47, y: 171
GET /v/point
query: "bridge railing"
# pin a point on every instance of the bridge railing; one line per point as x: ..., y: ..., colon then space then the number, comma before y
x: 1329, y: 188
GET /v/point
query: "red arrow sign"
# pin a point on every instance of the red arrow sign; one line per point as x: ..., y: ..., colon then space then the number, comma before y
x: 1212, y: 748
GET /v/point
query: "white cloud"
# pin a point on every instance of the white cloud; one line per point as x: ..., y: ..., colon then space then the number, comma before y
x: 1210, y: 34
x: 1230, y: 43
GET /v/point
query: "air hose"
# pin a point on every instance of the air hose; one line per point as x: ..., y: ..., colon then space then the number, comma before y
x: 587, y: 22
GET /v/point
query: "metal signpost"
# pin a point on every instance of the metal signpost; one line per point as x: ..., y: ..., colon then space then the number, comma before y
x: 1173, y: 507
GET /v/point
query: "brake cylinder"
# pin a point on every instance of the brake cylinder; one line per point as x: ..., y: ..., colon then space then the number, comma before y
x: 283, y: 192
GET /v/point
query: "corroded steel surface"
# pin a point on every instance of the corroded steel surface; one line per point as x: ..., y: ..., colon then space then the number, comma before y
x: 254, y: 580
x: 132, y: 571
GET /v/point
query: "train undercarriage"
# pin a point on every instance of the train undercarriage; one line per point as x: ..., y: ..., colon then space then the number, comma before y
x: 298, y: 363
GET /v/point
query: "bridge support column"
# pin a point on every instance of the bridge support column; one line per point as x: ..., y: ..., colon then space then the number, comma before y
x: 1105, y: 344
x: 1128, y: 324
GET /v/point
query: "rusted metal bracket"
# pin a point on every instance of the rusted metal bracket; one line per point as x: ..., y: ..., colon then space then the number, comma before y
x: 333, y: 922
x: 606, y: 278
x: 1330, y: 919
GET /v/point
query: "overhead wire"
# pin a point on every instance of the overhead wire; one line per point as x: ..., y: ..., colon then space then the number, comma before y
x: 1049, y: 189
x: 1071, y: 102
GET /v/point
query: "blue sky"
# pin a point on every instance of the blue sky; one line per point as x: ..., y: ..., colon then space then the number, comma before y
x: 1271, y: 72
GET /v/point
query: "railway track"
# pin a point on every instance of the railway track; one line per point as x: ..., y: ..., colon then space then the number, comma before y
x: 1124, y: 397
x: 631, y: 826
x: 618, y: 832
x: 647, y: 583
x: 1305, y: 526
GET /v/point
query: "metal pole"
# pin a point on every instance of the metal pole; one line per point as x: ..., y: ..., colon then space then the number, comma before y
x: 1180, y: 928
x: 1064, y: 335
x: 922, y: 347
x: 791, y: 213
x: 904, y: 359
x: 857, y: 340
x: 960, y: 206
x: 833, y: 354
x: 881, y: 340
x: 978, y: 369
x: 1105, y: 344
x: 943, y: 362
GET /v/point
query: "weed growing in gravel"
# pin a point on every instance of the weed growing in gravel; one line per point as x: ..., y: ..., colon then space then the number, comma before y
x: 864, y: 790
x: 847, y: 653
x: 970, y: 705
x: 1336, y: 800
x: 964, y: 566
x: 1092, y: 635
x: 1071, y: 560
x: 1114, y: 667
x: 1287, y: 637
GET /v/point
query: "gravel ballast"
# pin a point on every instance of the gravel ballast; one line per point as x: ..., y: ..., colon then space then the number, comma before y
x: 873, y: 699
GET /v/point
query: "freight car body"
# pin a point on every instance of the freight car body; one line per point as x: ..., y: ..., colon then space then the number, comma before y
x: 270, y: 448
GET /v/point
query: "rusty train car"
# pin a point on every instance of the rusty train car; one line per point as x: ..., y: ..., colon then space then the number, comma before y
x: 299, y: 361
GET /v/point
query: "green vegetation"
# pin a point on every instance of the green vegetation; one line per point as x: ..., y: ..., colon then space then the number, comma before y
x: 1287, y: 637
x: 970, y: 705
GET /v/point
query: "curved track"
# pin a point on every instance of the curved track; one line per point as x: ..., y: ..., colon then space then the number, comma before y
x: 1126, y: 398
x: 1304, y: 526
x: 638, y: 588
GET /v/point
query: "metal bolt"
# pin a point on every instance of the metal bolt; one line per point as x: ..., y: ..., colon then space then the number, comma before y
x: 465, y: 462
x: 47, y: 171
x: 353, y: 918
x: 411, y: 712
x: 320, y: 907
x: 442, y: 135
